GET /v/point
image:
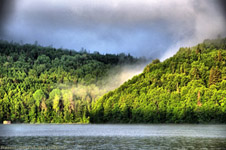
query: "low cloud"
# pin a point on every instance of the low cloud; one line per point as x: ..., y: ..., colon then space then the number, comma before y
x: 153, y: 28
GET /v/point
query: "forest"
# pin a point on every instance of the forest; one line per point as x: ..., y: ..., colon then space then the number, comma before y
x: 48, y: 85
x: 189, y: 87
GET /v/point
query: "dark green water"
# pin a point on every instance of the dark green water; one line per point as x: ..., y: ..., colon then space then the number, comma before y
x: 158, y: 136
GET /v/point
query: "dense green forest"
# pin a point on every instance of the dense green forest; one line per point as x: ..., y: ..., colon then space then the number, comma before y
x: 43, y: 84
x: 189, y: 87
x: 47, y: 85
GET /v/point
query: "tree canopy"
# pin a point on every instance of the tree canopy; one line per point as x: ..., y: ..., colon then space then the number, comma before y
x: 43, y: 84
x: 186, y: 88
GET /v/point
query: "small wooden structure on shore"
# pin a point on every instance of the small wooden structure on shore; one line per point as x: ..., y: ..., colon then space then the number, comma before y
x: 6, y: 122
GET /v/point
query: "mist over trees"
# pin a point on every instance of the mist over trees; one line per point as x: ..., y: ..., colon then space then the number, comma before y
x: 43, y: 84
x: 48, y: 85
x: 189, y: 87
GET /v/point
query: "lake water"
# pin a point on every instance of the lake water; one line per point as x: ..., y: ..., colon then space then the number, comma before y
x: 116, y: 136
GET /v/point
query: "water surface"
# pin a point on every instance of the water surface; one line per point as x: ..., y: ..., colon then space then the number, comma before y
x: 118, y: 136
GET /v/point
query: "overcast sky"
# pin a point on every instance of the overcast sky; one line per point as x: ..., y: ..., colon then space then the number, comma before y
x: 151, y: 28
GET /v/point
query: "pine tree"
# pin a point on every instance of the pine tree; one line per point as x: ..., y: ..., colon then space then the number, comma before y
x: 219, y: 56
x: 215, y: 76
x: 198, y: 99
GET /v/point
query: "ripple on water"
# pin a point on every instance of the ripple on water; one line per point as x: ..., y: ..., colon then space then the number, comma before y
x: 114, y: 136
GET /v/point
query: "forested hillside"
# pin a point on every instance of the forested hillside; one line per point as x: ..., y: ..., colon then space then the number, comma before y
x: 189, y: 87
x: 43, y: 84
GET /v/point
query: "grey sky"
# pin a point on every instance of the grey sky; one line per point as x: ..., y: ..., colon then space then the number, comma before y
x: 151, y: 28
